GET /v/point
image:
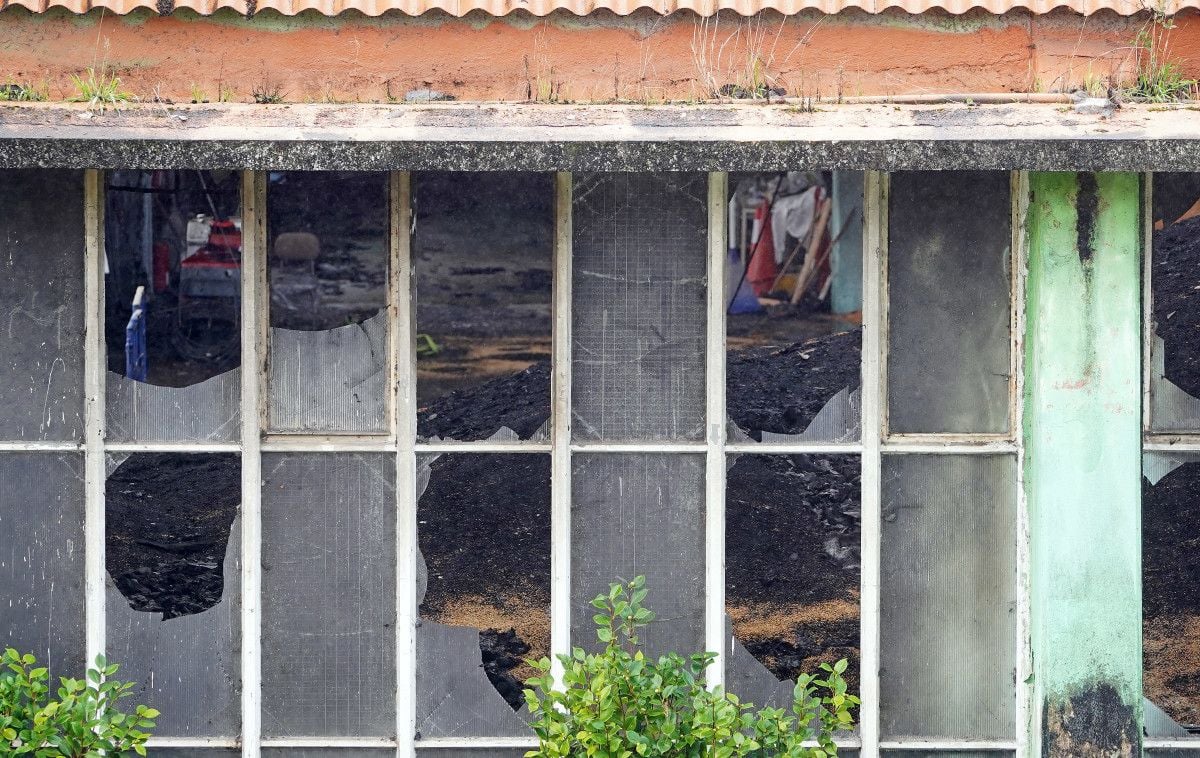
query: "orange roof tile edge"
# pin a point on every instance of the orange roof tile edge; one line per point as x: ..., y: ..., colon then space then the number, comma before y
x: 584, y: 7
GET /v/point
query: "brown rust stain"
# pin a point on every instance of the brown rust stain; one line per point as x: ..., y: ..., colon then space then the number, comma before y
x: 1095, y: 723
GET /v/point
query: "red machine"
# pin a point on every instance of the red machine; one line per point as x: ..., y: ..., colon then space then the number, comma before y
x: 210, y: 294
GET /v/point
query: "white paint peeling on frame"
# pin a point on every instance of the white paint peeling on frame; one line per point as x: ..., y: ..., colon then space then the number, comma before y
x: 254, y: 346
x: 93, y: 378
x: 714, y: 487
x: 874, y: 267
x: 1024, y: 711
x: 560, y: 419
x: 404, y: 404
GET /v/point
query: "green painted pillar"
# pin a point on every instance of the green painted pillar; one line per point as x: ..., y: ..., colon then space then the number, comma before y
x: 1083, y: 463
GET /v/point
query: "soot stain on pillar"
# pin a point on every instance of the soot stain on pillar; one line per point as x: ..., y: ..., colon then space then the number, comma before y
x: 167, y: 525
x: 1087, y: 203
x: 1095, y: 723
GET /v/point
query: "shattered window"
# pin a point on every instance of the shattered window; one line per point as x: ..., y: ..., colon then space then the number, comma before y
x: 948, y: 583
x: 173, y: 595
x: 172, y: 295
x: 327, y: 267
x: 1171, y: 593
x: 949, y: 302
x: 483, y: 525
x: 791, y: 570
x: 41, y: 287
x: 483, y: 252
x: 793, y: 294
x: 329, y: 594
x: 1175, y: 314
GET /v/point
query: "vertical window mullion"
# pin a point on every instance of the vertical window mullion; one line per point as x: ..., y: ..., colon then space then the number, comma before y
x: 404, y: 404
x: 254, y: 351
x: 560, y: 419
x: 714, y: 488
x: 1024, y: 691
x: 94, y: 362
x: 875, y: 207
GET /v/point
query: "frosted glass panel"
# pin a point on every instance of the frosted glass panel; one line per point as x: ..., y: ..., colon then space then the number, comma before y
x: 329, y: 589
x: 41, y: 287
x: 41, y: 559
x: 640, y: 514
x: 948, y: 271
x: 948, y: 608
x: 639, y: 306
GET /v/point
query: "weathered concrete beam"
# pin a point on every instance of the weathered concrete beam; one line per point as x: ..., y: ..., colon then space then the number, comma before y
x: 477, y: 137
x: 1083, y: 469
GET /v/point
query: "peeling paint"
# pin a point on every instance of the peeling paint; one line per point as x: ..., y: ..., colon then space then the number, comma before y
x: 1095, y: 723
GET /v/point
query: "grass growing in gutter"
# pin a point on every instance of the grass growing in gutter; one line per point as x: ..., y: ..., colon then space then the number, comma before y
x: 23, y: 93
x: 99, y: 89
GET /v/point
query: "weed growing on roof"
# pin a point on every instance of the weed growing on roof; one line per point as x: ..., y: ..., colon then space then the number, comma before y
x: 99, y: 89
x: 618, y: 702
x: 268, y: 93
x: 24, y: 93
x: 197, y: 94
x: 1159, y: 79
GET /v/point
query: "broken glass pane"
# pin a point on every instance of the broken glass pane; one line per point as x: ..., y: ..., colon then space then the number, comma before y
x: 1171, y: 593
x: 948, y: 596
x: 329, y: 594
x: 948, y: 272
x: 327, y: 264
x: 639, y: 276
x: 173, y: 594
x: 484, y: 258
x: 172, y: 296
x: 41, y: 558
x: 637, y: 514
x: 1175, y: 284
x: 793, y: 285
x: 41, y: 287
x: 483, y: 524
x: 791, y: 571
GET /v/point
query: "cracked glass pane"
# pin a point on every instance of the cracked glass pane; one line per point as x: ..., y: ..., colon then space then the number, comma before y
x: 791, y: 571
x: 1175, y: 286
x: 327, y: 265
x: 483, y: 252
x: 637, y: 514
x: 793, y: 293
x: 639, y: 275
x: 949, y: 294
x: 1171, y: 594
x: 41, y: 558
x: 41, y: 288
x: 948, y: 584
x: 173, y: 594
x: 172, y: 298
x: 483, y: 525
x: 329, y: 594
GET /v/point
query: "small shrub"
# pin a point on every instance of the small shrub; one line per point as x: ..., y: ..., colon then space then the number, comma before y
x: 83, y: 721
x: 1159, y: 79
x: 618, y: 703
x: 99, y: 89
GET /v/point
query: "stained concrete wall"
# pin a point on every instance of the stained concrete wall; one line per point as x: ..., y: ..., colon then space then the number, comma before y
x: 643, y: 57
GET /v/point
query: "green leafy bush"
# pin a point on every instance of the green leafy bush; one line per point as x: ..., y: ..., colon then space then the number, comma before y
x: 83, y: 721
x: 617, y: 703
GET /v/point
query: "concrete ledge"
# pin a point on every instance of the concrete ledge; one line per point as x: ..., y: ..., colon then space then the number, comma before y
x: 496, y: 137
